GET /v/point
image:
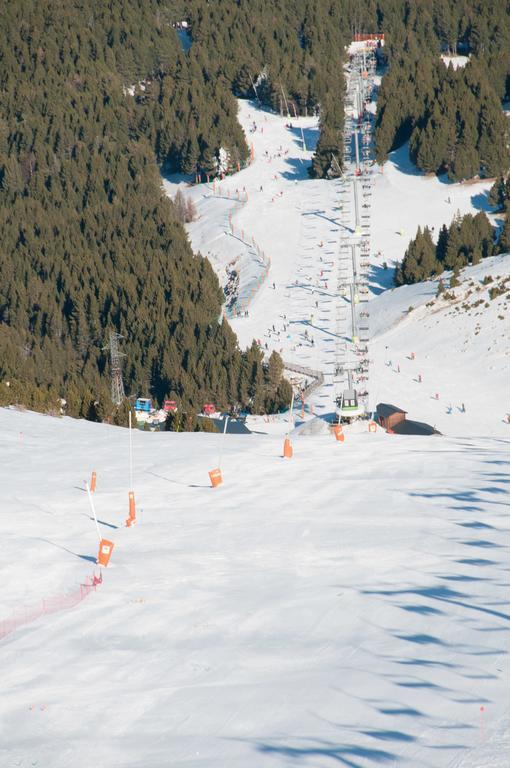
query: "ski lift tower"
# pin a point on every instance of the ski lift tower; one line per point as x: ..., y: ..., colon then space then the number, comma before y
x: 116, y: 355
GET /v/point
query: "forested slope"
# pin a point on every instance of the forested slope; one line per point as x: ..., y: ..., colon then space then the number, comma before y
x: 94, y: 96
x: 453, y: 119
x: 88, y: 243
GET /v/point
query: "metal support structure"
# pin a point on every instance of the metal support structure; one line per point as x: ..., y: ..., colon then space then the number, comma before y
x: 351, y: 350
x: 357, y: 222
x: 116, y: 355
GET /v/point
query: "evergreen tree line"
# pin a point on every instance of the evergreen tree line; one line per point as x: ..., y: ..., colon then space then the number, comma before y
x: 453, y: 119
x: 88, y: 242
x: 289, y: 56
x: 466, y: 241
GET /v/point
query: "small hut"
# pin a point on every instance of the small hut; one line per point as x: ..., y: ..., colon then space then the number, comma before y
x: 394, y: 421
x: 389, y: 416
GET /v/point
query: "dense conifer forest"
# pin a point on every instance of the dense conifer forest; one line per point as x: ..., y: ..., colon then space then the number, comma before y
x: 89, y: 243
x: 94, y: 96
x: 467, y: 240
x: 452, y: 118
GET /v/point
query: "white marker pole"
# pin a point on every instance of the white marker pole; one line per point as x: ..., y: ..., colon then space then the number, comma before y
x: 222, y: 440
x: 130, y: 455
x: 91, y: 502
x: 291, y: 414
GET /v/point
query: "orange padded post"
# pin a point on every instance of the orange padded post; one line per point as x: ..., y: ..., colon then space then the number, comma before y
x: 215, y: 477
x: 105, y: 552
x: 131, y: 520
x: 93, y: 480
x: 372, y: 426
x: 287, y: 449
x: 339, y: 433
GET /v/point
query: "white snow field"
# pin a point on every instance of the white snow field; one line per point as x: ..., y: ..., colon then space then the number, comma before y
x: 347, y: 607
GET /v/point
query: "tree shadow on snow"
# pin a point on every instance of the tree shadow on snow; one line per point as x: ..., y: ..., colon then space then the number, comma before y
x: 347, y: 755
x: 311, y: 137
x: 480, y: 202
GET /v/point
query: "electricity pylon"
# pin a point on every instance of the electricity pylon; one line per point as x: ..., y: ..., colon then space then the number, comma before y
x: 116, y: 368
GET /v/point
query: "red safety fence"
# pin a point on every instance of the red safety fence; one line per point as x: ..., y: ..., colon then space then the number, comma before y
x: 27, y: 615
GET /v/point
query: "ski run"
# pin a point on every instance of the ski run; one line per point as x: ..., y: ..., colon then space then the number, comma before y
x: 348, y: 607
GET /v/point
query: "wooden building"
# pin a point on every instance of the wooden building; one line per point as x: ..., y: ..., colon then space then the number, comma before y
x: 394, y: 420
x: 389, y: 416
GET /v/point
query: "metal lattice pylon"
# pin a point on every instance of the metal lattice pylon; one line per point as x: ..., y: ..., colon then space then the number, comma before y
x: 115, y: 358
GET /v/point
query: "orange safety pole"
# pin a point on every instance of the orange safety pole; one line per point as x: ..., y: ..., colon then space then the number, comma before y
x: 93, y: 482
x: 287, y: 445
x: 131, y: 519
x: 215, y: 475
x: 105, y: 546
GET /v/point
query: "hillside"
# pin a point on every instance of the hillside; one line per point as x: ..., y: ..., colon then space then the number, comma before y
x: 293, y: 214
x: 348, y: 606
x: 89, y: 244
x: 462, y: 349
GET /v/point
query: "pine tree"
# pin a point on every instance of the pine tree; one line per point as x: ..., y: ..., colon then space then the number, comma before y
x: 504, y: 238
x: 497, y: 194
x: 453, y: 258
x: 442, y: 244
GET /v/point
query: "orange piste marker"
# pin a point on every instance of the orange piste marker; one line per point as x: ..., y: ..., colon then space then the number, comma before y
x: 131, y: 519
x: 287, y: 445
x: 105, y: 552
x: 93, y: 480
x: 215, y: 477
x: 105, y: 546
x: 287, y: 449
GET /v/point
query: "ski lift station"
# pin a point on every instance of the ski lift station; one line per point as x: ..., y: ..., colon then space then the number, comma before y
x: 349, y: 407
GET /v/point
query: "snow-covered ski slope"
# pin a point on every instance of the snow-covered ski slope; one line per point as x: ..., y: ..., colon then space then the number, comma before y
x: 461, y: 348
x: 292, y: 215
x: 348, y: 607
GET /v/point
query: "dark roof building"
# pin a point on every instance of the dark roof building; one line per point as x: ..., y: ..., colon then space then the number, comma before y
x: 394, y: 421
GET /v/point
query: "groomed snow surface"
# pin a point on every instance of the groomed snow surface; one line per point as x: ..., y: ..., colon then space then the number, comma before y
x: 347, y: 607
